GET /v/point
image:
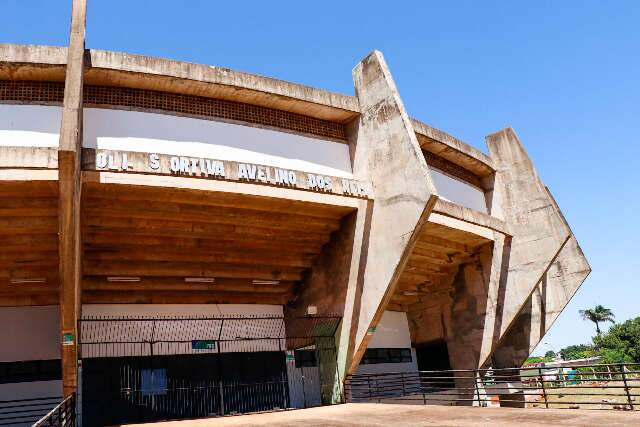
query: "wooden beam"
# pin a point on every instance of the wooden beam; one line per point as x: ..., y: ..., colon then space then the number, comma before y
x: 221, y: 215
x: 182, y: 269
x: 158, y: 253
x: 95, y: 283
x: 70, y: 148
x: 179, y: 297
x: 29, y: 300
x: 284, y: 244
x: 124, y: 193
x: 197, y: 229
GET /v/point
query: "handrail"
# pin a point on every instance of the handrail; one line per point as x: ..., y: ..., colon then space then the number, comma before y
x: 589, y: 386
x: 64, y: 414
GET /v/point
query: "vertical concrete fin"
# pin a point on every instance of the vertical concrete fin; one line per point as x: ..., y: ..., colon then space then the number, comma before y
x: 387, y: 154
x: 530, y: 285
x: 69, y: 246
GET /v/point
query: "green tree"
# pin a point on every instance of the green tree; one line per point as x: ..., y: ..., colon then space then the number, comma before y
x: 621, y: 343
x: 579, y: 351
x: 550, y: 354
x: 598, y: 314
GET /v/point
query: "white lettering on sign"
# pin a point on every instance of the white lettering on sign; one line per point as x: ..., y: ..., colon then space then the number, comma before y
x: 247, y: 172
x: 267, y: 174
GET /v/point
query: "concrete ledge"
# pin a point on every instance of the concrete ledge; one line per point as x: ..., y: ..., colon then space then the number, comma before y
x: 123, y: 69
x: 450, y: 148
x: 453, y: 210
x: 31, y: 62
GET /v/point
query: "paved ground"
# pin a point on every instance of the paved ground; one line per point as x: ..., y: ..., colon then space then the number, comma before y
x: 372, y: 414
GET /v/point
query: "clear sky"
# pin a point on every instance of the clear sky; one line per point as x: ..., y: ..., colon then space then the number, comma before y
x: 564, y: 74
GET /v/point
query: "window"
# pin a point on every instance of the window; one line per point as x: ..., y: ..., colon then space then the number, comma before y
x: 30, y: 370
x: 386, y: 355
x: 305, y: 358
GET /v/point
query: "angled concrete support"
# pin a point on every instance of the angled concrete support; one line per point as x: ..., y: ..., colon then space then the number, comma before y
x: 331, y: 288
x: 385, y: 152
x: 533, y: 283
x: 69, y: 151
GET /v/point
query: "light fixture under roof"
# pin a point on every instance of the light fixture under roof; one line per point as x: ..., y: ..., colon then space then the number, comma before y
x: 27, y: 281
x: 122, y: 279
x: 199, y: 279
x: 265, y: 282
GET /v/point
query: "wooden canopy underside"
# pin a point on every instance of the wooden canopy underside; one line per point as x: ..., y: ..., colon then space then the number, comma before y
x: 141, y: 243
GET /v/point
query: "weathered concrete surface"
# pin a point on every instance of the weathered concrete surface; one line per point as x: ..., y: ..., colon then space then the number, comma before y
x: 540, y: 234
x: 123, y: 69
x: 541, y: 310
x: 446, y: 146
x: 29, y: 157
x: 332, y: 288
x: 372, y: 414
x: 29, y: 62
x: 387, y: 154
x: 69, y: 246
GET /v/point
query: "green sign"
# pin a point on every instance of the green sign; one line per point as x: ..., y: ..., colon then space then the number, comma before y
x: 290, y: 356
x: 371, y: 330
x: 68, y: 338
x: 203, y: 345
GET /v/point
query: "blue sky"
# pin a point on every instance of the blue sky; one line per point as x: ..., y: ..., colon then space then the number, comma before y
x: 565, y: 75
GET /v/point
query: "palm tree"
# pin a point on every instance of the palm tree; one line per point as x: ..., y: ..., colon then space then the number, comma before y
x: 598, y: 314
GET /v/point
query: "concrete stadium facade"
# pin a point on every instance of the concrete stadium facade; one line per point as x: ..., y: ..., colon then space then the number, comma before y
x: 140, y: 186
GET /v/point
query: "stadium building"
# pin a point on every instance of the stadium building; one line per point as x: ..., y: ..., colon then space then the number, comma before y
x: 181, y: 240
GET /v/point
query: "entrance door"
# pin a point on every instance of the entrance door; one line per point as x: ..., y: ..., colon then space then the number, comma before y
x: 122, y: 390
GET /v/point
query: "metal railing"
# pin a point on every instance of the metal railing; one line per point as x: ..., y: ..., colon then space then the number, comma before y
x: 601, y: 386
x: 63, y: 415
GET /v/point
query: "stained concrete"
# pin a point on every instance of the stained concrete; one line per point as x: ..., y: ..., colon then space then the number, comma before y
x: 371, y: 414
x: 539, y: 233
x: 388, y: 155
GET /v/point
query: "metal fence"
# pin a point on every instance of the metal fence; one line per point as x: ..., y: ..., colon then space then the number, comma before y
x: 105, y: 336
x: 178, y: 367
x: 63, y: 415
x: 601, y: 386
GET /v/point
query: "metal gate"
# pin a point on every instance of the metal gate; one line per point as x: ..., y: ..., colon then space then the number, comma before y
x: 151, y: 369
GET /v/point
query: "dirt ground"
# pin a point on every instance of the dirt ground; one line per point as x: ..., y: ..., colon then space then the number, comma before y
x: 372, y: 414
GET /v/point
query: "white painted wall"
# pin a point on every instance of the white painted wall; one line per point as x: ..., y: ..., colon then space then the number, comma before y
x: 392, y: 332
x: 458, y: 191
x: 133, y: 332
x: 29, y: 333
x: 174, y: 135
x: 29, y: 125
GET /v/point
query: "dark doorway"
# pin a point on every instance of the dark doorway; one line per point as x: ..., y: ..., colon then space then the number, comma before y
x: 141, y: 389
x: 434, y: 357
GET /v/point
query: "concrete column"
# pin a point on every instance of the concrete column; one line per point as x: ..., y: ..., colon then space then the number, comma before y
x: 69, y: 151
x: 544, y: 266
x: 386, y: 152
x: 332, y: 287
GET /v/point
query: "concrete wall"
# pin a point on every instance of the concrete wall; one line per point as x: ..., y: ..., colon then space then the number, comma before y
x: 29, y: 333
x: 168, y: 134
x: 29, y: 125
x: 391, y: 332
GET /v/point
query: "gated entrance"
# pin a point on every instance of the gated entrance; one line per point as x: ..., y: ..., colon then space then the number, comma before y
x: 152, y: 369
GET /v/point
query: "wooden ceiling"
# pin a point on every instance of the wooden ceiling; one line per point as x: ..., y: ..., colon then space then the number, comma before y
x: 433, y: 264
x: 160, y: 236
x: 28, y: 242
